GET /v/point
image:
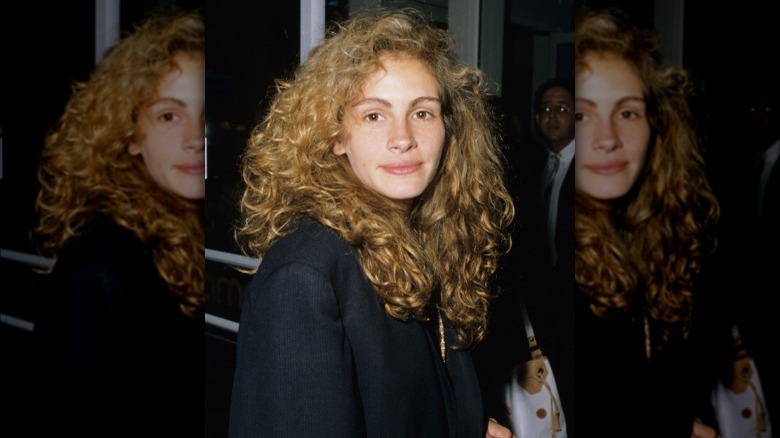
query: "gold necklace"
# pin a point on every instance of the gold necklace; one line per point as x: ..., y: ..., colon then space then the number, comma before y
x: 442, y: 342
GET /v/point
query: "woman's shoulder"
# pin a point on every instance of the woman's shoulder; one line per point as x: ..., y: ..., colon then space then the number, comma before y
x: 311, y: 257
x: 105, y: 262
x: 104, y: 244
x: 310, y: 242
x: 311, y: 237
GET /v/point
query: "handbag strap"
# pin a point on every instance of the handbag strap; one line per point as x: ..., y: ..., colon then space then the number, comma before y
x: 536, y: 353
x: 533, y: 346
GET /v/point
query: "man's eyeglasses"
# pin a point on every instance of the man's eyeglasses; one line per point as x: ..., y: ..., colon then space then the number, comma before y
x: 560, y: 110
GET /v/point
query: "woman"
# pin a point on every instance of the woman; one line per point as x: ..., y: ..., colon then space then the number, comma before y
x: 375, y: 197
x: 644, y: 212
x: 122, y: 184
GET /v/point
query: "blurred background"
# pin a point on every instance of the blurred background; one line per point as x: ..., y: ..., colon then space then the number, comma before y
x: 44, y: 50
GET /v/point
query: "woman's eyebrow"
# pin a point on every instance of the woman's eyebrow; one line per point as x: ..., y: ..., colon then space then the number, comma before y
x: 386, y: 103
x: 162, y: 100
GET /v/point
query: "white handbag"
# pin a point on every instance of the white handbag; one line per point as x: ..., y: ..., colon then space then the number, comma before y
x: 739, y: 407
x: 532, y: 395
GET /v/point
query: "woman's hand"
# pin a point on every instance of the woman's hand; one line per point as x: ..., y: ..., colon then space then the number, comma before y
x: 495, y: 430
x: 701, y: 430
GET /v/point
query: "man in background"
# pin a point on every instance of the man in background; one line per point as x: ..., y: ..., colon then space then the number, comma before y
x: 539, y: 271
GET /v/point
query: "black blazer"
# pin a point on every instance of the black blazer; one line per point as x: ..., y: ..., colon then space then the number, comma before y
x: 319, y: 356
x: 621, y: 393
x: 116, y: 354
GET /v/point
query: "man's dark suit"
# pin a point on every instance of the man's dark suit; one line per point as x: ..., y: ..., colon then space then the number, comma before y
x: 548, y: 292
x: 319, y: 356
x: 755, y: 283
x: 747, y: 254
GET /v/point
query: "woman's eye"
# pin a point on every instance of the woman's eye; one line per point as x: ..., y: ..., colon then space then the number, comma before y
x: 423, y: 115
x: 629, y: 114
x: 373, y: 117
x: 168, y: 117
x: 578, y: 117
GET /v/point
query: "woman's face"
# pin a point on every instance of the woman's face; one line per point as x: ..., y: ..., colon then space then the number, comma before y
x: 393, y: 134
x: 171, y: 129
x: 611, y: 126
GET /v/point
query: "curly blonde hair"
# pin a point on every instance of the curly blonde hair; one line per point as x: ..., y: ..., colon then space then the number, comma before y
x: 647, y: 248
x: 85, y: 169
x: 446, y: 248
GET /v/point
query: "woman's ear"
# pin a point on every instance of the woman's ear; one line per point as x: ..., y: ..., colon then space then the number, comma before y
x: 338, y: 147
x: 133, y: 149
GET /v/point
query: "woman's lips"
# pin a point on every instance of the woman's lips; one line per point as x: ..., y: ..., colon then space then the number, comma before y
x: 607, y: 168
x: 404, y: 168
x: 192, y: 169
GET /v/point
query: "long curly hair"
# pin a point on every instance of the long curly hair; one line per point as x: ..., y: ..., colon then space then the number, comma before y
x: 646, y: 249
x: 85, y: 169
x: 445, y: 250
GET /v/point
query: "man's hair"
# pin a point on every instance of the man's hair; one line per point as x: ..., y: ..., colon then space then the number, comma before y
x: 551, y: 83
